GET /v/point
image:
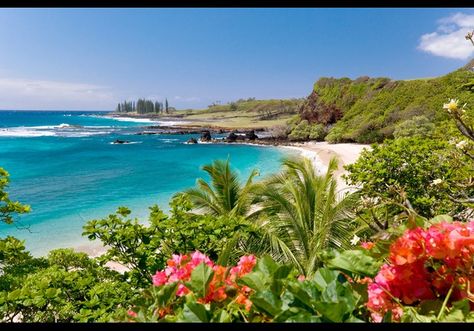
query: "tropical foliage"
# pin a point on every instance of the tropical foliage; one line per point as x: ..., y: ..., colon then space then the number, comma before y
x: 290, y: 247
x: 224, y: 195
x: 301, y: 214
x: 368, y: 110
x: 194, y: 289
x: 8, y: 207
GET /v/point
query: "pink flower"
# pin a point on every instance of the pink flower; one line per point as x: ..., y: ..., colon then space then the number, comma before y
x: 159, y: 278
x: 198, y: 257
x: 301, y: 278
x: 246, y: 263
x: 176, y: 260
x: 182, y: 290
x: 131, y: 313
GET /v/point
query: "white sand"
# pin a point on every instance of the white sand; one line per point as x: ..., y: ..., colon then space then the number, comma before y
x: 320, y: 153
x: 95, y: 250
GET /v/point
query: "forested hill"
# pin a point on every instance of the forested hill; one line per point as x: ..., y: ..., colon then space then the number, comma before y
x: 369, y: 110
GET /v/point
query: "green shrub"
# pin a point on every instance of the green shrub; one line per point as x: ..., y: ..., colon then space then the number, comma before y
x: 374, y: 108
x: 305, y: 131
x: 422, y: 168
x: 419, y: 126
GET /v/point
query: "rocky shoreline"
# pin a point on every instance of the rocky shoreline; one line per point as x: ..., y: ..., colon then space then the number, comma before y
x: 207, y: 135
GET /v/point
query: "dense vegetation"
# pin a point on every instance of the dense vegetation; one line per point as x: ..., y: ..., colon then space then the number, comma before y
x: 367, y: 110
x: 144, y: 106
x: 289, y: 247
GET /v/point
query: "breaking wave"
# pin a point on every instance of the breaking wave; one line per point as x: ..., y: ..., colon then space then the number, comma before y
x: 61, y: 130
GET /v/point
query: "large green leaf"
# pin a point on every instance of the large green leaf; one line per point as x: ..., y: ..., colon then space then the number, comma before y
x: 266, y: 302
x: 254, y: 280
x: 195, y: 312
x: 166, y: 294
x: 201, y: 276
x: 323, y: 277
x: 355, y: 261
x: 302, y: 294
x: 266, y: 265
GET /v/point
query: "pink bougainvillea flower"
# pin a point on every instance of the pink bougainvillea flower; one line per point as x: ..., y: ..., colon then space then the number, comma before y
x: 423, y: 265
x: 159, y: 278
x: 198, y: 258
x: 182, y: 290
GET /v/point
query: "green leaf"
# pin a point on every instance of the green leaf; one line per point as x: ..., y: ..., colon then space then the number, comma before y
x: 13, y: 295
x: 355, y: 261
x: 254, y: 280
x: 166, y: 294
x: 266, y: 265
x: 458, y: 312
x: 222, y: 317
x: 266, y: 302
x: 301, y: 294
x: 282, y: 271
x: 441, y: 218
x: 201, y: 276
x: 323, y: 277
x: 195, y: 312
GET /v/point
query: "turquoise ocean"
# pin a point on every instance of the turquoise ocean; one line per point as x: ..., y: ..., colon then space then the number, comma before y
x: 64, y: 166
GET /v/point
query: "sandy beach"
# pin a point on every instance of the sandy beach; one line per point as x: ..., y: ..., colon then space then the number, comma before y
x: 320, y: 153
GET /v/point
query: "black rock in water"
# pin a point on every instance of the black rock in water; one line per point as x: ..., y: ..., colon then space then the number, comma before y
x: 251, y: 135
x: 118, y: 141
x: 206, y: 135
x: 192, y: 141
x: 232, y: 137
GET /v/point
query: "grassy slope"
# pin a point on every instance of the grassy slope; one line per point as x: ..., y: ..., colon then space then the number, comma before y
x: 373, y: 107
x: 244, y: 114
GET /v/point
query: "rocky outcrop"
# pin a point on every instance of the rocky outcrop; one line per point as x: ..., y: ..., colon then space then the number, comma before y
x: 232, y: 137
x: 251, y: 135
x: 206, y: 136
x: 192, y: 141
x: 118, y: 141
x: 315, y: 111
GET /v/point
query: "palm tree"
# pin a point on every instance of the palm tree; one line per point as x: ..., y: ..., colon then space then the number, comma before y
x: 225, y: 195
x: 301, y: 214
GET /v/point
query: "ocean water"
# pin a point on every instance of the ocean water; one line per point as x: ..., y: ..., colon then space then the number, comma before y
x: 64, y: 166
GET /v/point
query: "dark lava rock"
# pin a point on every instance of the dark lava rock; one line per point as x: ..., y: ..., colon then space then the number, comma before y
x: 206, y: 135
x: 251, y: 135
x: 192, y: 141
x: 232, y: 137
x: 118, y: 141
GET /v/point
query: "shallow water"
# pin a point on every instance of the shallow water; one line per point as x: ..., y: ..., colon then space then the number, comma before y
x: 64, y: 165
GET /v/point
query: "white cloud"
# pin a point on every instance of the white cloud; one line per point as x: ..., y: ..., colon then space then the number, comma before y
x: 449, y: 39
x: 16, y: 93
x: 186, y: 99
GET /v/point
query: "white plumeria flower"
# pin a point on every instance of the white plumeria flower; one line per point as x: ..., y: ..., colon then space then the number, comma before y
x: 452, y: 105
x: 461, y: 144
x: 355, y: 240
x: 437, y: 181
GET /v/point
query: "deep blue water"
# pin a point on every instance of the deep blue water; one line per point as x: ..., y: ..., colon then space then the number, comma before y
x: 64, y: 166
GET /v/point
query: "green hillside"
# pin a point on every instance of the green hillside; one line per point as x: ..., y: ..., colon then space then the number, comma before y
x: 369, y: 110
x: 244, y: 113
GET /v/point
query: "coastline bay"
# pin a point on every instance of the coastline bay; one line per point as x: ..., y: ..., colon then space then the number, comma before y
x: 64, y: 165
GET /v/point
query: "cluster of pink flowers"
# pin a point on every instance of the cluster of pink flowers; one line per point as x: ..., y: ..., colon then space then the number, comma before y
x: 180, y: 267
x: 424, y: 264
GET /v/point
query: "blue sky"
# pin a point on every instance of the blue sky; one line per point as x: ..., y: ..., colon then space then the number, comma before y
x: 93, y: 58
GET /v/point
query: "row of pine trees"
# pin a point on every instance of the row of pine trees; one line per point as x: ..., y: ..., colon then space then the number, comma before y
x: 143, y: 106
